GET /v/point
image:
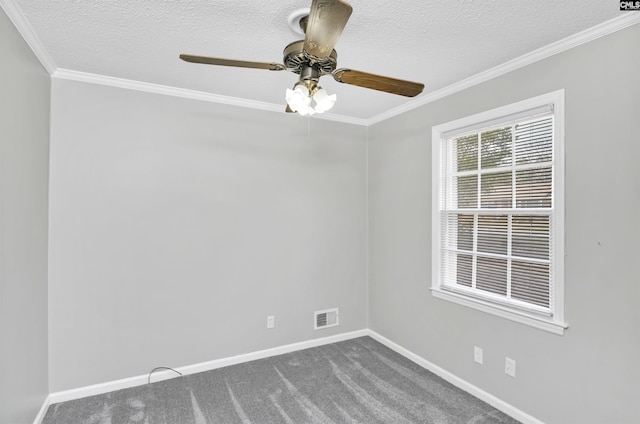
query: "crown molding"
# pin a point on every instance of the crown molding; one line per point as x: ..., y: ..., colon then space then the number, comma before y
x: 189, y: 94
x: 28, y: 34
x: 68, y: 74
x: 342, y: 118
x: 616, y: 24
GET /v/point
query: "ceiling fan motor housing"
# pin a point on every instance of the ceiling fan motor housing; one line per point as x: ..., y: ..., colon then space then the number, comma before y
x: 296, y: 59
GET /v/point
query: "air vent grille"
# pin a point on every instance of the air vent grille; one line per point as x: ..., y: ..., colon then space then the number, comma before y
x: 326, y: 318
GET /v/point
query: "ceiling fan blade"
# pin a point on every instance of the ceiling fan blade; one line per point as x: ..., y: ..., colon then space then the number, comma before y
x: 230, y: 62
x: 377, y: 82
x: 327, y: 19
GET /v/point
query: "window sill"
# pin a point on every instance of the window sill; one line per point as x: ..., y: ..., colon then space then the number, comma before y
x: 540, y: 322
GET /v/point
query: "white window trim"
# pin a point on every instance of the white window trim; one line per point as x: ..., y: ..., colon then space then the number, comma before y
x: 555, y: 323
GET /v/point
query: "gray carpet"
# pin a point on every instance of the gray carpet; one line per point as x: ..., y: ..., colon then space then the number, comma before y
x: 356, y: 381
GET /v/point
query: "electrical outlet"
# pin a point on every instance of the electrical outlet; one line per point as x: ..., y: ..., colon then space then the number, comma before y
x: 510, y: 367
x: 477, y: 354
x: 271, y: 321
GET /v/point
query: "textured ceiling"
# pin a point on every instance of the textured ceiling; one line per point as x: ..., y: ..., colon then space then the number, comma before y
x: 435, y: 42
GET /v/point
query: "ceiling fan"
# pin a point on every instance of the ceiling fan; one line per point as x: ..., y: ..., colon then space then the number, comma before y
x: 314, y: 57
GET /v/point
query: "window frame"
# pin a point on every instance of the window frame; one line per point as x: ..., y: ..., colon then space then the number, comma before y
x: 555, y: 321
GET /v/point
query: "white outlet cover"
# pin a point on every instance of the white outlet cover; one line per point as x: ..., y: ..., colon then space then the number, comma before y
x: 271, y: 321
x: 510, y: 367
x: 477, y: 354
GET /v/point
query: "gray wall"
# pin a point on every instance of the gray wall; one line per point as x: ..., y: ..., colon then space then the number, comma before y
x: 177, y: 226
x: 591, y: 374
x: 24, y: 167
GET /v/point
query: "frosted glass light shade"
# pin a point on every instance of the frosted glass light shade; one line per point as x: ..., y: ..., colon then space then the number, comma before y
x: 298, y: 99
x: 324, y: 102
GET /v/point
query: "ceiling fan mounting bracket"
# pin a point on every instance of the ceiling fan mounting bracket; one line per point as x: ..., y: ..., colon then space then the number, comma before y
x: 296, y: 18
x: 303, y: 23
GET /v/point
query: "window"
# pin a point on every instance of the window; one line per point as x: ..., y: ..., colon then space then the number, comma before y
x: 498, y: 212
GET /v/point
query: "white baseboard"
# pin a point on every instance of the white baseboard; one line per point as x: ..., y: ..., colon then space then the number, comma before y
x: 497, y: 403
x: 140, y: 380
x: 43, y: 410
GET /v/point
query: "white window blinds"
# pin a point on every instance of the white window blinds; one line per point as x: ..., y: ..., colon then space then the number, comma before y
x: 496, y: 210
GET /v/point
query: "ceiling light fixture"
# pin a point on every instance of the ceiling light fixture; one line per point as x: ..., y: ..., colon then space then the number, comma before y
x: 307, y: 97
x: 307, y: 101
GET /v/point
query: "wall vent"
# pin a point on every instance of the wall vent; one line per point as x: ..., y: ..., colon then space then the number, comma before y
x: 326, y: 318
